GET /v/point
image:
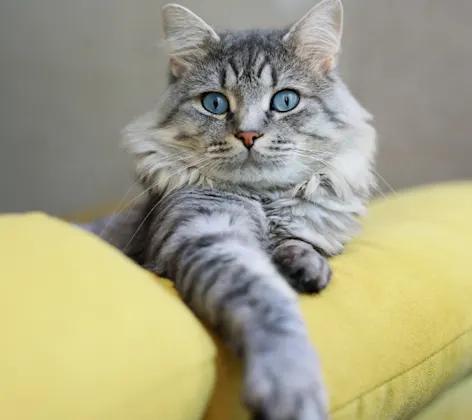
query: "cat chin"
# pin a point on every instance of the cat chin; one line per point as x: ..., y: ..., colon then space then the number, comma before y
x: 256, y: 178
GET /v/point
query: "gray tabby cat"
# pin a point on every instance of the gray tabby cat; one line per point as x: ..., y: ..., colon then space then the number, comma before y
x: 256, y: 165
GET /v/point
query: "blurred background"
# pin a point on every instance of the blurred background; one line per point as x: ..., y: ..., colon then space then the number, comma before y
x: 74, y: 73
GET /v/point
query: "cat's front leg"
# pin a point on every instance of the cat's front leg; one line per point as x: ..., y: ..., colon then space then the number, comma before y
x: 305, y: 269
x: 209, y: 243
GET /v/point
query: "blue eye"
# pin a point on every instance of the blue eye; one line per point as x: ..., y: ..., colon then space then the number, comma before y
x: 285, y: 100
x: 215, y: 102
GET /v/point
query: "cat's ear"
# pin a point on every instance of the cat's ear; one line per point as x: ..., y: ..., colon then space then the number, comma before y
x: 186, y: 35
x: 317, y: 35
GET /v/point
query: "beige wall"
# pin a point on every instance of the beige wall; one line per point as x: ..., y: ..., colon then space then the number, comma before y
x: 73, y: 73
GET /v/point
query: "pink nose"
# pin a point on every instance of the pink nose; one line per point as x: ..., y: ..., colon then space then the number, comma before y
x: 248, y: 137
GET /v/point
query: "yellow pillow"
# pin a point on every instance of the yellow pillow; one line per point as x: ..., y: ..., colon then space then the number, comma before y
x: 91, y: 336
x: 87, y: 335
x: 453, y: 404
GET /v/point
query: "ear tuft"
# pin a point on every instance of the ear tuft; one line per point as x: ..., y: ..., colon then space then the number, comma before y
x: 186, y: 35
x: 317, y: 35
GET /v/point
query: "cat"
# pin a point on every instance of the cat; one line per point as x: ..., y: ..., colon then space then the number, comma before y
x: 256, y: 165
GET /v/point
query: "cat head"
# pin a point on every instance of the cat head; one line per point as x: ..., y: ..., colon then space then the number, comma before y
x: 258, y: 108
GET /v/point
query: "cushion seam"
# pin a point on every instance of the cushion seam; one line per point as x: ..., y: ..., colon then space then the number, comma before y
x: 363, y: 394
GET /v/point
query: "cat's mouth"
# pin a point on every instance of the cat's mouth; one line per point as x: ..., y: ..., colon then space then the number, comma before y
x: 257, y: 159
x: 254, y: 157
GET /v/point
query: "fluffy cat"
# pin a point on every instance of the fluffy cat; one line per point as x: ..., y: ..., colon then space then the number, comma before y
x: 256, y: 164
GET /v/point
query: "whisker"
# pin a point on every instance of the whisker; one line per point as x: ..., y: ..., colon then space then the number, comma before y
x: 155, y: 184
x: 311, y: 153
x: 135, y: 199
x: 201, y: 163
x: 141, y: 225
x: 119, y: 206
x: 380, y: 192
x: 329, y: 165
x: 385, y: 182
x: 152, y: 209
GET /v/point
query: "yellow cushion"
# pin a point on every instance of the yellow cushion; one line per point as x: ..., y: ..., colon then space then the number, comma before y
x: 87, y: 335
x: 93, y: 336
x: 453, y: 404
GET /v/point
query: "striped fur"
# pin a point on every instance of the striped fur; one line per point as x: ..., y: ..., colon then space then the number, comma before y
x: 230, y: 226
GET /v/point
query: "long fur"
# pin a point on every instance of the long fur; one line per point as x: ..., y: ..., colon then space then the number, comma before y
x: 235, y: 227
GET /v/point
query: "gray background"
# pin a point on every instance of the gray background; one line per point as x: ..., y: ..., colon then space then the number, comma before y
x: 73, y: 73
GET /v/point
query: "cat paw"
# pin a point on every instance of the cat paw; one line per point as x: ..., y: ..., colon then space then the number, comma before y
x: 306, y: 270
x: 285, y: 384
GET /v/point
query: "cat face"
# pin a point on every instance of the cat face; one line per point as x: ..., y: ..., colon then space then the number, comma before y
x: 249, y: 109
x: 261, y: 108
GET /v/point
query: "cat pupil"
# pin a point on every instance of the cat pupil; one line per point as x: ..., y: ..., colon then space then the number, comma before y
x: 215, y: 102
x: 287, y: 100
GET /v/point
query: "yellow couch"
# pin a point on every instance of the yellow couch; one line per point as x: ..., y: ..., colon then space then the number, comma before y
x: 87, y: 335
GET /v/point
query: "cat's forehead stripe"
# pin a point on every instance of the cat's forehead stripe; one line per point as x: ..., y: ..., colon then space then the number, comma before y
x: 223, y: 77
x: 265, y: 62
x: 234, y: 67
x: 228, y: 75
x: 258, y: 66
x: 275, y: 78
